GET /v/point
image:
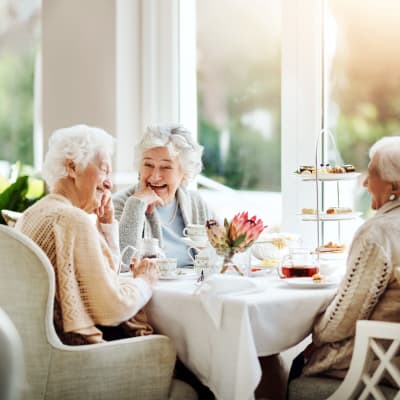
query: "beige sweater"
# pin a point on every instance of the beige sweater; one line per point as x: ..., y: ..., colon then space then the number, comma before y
x: 369, y: 290
x: 88, y: 290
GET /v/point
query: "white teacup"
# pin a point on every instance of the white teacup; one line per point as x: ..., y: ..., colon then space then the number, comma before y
x: 201, y: 262
x: 167, y: 267
x: 202, y: 265
x: 196, y: 232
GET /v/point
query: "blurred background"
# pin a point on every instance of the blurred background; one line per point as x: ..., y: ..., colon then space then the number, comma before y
x: 239, y: 86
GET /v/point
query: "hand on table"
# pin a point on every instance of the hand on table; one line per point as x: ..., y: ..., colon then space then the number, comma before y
x: 145, y: 269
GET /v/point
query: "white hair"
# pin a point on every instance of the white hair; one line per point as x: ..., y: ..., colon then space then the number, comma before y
x: 387, y: 151
x: 79, y: 143
x: 179, y: 142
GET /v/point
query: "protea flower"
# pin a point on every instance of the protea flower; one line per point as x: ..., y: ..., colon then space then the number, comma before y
x: 217, y: 236
x: 233, y: 237
x: 243, y: 231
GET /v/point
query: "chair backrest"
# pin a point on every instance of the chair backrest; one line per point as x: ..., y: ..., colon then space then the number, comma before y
x: 11, y: 360
x: 376, y: 346
x: 26, y: 294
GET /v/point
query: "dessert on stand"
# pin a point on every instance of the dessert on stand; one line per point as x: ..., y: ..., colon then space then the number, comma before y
x: 329, y: 253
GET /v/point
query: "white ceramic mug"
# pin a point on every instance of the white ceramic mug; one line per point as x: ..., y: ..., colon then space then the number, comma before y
x: 167, y: 267
x: 196, y: 232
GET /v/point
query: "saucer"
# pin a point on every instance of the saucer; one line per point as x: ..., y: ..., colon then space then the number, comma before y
x: 194, y: 243
x: 169, y: 277
x: 309, y: 283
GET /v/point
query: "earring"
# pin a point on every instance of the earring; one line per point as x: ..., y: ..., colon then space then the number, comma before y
x: 392, y: 197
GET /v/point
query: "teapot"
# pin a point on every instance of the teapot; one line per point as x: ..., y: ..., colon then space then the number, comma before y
x: 147, y: 248
x: 299, y: 262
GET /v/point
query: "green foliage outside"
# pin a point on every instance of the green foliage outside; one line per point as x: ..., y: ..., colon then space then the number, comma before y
x: 16, y: 107
x: 252, y: 162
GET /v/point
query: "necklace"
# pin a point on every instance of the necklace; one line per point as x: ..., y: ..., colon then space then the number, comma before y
x: 172, y: 219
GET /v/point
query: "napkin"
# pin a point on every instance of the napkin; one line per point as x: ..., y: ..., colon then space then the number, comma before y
x: 216, y: 287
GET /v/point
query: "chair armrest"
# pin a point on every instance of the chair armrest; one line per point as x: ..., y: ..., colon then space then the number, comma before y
x: 139, y: 367
x: 358, y: 374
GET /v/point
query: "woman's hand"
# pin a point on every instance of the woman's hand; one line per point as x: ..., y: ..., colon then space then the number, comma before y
x: 145, y: 269
x: 150, y: 198
x: 105, y: 211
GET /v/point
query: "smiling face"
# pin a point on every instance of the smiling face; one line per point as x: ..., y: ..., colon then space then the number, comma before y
x: 379, y: 189
x: 92, y: 181
x: 161, y: 172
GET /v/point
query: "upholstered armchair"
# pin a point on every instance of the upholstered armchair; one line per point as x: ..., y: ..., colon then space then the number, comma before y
x: 134, y: 368
x: 12, y: 378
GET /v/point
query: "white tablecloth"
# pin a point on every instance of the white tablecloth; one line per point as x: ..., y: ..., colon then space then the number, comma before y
x: 254, y: 324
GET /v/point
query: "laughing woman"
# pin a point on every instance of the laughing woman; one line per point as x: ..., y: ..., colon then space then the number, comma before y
x: 91, y: 303
x: 160, y: 206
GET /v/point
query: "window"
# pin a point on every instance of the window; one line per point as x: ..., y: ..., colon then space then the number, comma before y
x: 19, y: 35
x: 363, y: 78
x: 239, y: 93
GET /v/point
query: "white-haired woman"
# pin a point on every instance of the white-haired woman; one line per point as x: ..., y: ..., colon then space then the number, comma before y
x: 160, y: 206
x: 90, y: 299
x: 370, y: 288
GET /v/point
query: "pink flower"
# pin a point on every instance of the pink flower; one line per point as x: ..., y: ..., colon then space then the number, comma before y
x: 243, y: 231
x: 238, y: 235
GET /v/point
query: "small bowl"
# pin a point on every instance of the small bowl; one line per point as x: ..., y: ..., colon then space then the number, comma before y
x: 265, y: 250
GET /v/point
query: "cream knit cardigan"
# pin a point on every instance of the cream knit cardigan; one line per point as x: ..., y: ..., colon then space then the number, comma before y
x: 88, y: 291
x: 369, y: 290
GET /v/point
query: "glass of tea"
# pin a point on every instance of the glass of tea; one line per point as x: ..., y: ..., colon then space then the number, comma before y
x: 298, y: 263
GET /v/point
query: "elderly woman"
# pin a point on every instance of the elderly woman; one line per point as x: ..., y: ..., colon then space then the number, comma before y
x: 160, y: 206
x: 370, y: 289
x: 89, y: 296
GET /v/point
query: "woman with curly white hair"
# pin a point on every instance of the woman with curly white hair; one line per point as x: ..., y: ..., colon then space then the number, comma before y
x: 370, y: 288
x: 160, y: 206
x: 91, y: 303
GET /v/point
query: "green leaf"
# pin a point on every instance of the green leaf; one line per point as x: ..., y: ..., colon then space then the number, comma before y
x: 239, y: 240
x: 14, y: 197
x: 226, y: 225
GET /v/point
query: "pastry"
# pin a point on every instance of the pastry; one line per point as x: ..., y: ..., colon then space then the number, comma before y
x: 332, y: 247
x: 349, y: 168
x: 336, y: 170
x: 317, y: 278
x: 338, y: 210
x: 308, y: 211
x: 306, y: 169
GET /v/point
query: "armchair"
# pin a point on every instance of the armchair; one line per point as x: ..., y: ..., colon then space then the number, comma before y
x: 134, y: 368
x: 360, y: 382
x: 11, y: 360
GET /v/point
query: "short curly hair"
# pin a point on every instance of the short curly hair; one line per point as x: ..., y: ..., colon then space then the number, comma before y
x: 388, y: 163
x: 79, y: 143
x: 180, y: 143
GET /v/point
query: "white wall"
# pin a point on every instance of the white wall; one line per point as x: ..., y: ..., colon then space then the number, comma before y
x: 116, y: 64
x: 79, y: 64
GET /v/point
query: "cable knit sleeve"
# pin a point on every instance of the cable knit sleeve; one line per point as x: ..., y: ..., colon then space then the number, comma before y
x: 83, y: 267
x: 367, y: 276
x: 130, y: 212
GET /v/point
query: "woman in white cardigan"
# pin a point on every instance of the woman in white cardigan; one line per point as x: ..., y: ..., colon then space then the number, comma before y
x: 89, y: 295
x: 370, y: 288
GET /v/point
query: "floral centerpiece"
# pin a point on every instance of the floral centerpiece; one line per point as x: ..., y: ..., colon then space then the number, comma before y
x: 234, y: 237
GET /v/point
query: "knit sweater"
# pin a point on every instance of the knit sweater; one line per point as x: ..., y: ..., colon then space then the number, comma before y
x: 135, y: 223
x: 88, y: 290
x: 370, y: 289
